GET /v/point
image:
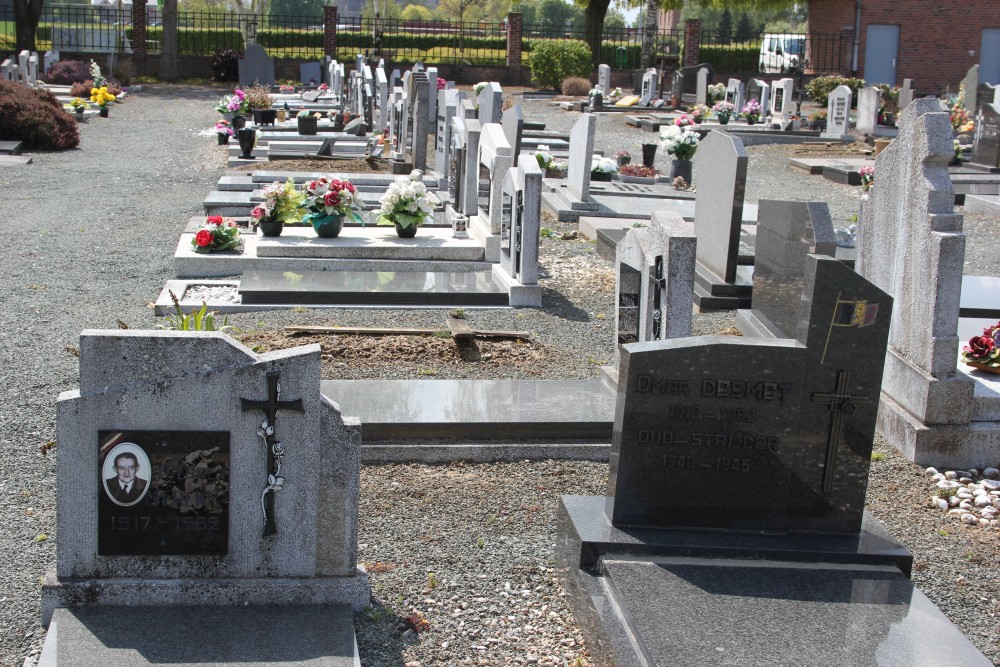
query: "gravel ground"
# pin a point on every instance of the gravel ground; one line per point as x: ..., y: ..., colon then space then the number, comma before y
x: 460, y: 555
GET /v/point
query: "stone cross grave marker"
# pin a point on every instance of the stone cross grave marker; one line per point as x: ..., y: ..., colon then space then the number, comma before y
x: 787, y: 231
x: 581, y: 150
x: 986, y: 144
x: 654, y: 281
x: 495, y: 160
x: 490, y: 103
x: 512, y: 121
x: 256, y: 67
x: 838, y: 113
x: 604, y: 79
x: 736, y: 94
x: 447, y: 108
x: 869, y: 99
x: 910, y: 243
x: 701, y: 93
x: 194, y: 471
x: 784, y: 425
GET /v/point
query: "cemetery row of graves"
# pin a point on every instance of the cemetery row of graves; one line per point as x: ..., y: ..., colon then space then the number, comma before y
x: 227, y: 489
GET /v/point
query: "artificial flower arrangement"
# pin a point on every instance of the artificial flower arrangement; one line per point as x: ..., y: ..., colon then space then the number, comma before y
x: 96, y: 75
x: 224, y: 127
x: 684, y: 120
x: 716, y: 92
x: 323, y: 88
x: 78, y: 104
x: 282, y: 203
x: 723, y: 110
x: 234, y: 104
x: 478, y: 88
x: 983, y: 352
x: 623, y: 157
x: 752, y: 110
x: 956, y: 157
x: 330, y: 197
x: 216, y: 234
x: 603, y: 165
x: 617, y: 92
x: 544, y: 157
x: 867, y: 174
x: 638, y: 170
x: 101, y: 97
x: 442, y: 83
x: 961, y: 121
x: 285, y: 88
x: 305, y: 113
x: 679, y: 141
x: 699, y: 112
x: 406, y: 202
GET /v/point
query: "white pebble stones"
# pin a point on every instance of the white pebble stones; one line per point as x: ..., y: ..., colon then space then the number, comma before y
x: 972, y: 498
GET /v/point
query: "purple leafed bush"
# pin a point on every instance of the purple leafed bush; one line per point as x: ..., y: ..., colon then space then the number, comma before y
x: 68, y: 72
x: 36, y: 118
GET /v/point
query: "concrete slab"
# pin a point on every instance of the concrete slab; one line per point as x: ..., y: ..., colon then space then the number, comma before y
x: 371, y: 242
x: 14, y: 160
x: 982, y: 203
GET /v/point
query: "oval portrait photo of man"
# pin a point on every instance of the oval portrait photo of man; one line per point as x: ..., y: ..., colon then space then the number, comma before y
x: 126, y: 474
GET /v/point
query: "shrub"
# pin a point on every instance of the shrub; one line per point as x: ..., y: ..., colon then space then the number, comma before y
x: 68, y: 72
x: 575, y: 86
x: 259, y: 97
x: 82, y: 89
x: 35, y: 117
x: 553, y: 60
x: 226, y: 66
x: 731, y: 58
x: 820, y: 88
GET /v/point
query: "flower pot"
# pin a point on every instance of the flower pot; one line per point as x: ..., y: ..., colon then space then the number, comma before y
x: 681, y: 168
x: 238, y: 122
x: 223, y: 139
x: 264, y: 116
x: 697, y: 121
x: 79, y: 112
x: 308, y: 125
x: 600, y: 175
x: 407, y: 232
x: 555, y: 173
x: 325, y: 226
x: 751, y: 121
x: 247, y: 138
x: 105, y: 112
x: 271, y: 228
x: 281, y: 115
x: 648, y: 154
x: 723, y: 120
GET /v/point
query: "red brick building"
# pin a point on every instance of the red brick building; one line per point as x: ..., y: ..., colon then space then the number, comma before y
x: 933, y: 43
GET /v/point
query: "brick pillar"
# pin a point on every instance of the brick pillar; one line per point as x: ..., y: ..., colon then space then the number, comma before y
x: 330, y: 31
x: 139, y: 28
x: 692, y: 42
x: 515, y: 26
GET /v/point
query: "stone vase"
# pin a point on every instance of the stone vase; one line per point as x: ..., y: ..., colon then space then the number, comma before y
x: 247, y: 138
x: 682, y: 168
x: 308, y: 124
x: 223, y: 139
x: 648, y: 154
x: 325, y: 226
x: 407, y: 232
x: 271, y: 228
x: 265, y: 116
x: 723, y: 120
x: 238, y: 122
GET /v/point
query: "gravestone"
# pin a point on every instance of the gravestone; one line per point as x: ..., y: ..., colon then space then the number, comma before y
x: 736, y: 94
x: 512, y: 121
x: 447, y: 108
x: 51, y: 57
x: 395, y: 124
x: 986, y: 143
x: 456, y: 211
x: 604, y: 79
x: 490, y: 103
x: 677, y: 84
x: 838, y: 114
x: 381, y: 99
x: 655, y: 86
x: 467, y: 108
x: 988, y: 94
x: 869, y: 100
x: 581, y: 148
x: 654, y: 281
x: 359, y: 61
x: 783, y: 101
x: 32, y: 69
x: 648, y: 85
x: 495, y: 160
x: 310, y: 73
x: 761, y: 92
x: 910, y: 243
x: 256, y: 67
x: 520, y: 220
x: 420, y: 122
x: 971, y: 85
x: 906, y: 94
x: 787, y: 232
x: 701, y: 95
x: 174, y: 449
x: 22, y: 66
x: 720, y: 167
x: 432, y: 99
x: 9, y: 70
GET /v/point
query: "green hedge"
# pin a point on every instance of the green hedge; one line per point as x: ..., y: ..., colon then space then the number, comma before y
x: 732, y: 58
x: 289, y: 38
x: 199, y: 41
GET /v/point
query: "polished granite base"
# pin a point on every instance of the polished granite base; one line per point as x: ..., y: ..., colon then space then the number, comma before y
x: 286, y: 636
x: 368, y: 288
x: 665, y: 597
x: 711, y: 292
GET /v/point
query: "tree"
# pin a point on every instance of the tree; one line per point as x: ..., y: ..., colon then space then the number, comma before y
x: 614, y: 19
x: 312, y: 9
x: 557, y: 15
x: 743, y: 28
x: 168, y: 52
x: 725, y: 29
x: 415, y: 13
x: 26, y: 16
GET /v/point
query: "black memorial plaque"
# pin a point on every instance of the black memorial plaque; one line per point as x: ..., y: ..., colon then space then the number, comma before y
x: 177, y: 498
x: 506, y: 218
x: 986, y: 149
x: 779, y: 99
x: 629, y: 293
x: 485, y: 183
x: 455, y: 157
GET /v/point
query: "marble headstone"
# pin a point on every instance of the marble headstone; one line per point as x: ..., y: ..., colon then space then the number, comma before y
x: 256, y: 67
x: 736, y: 94
x: 490, y: 103
x: 720, y: 169
x: 512, y: 121
x: 701, y: 94
x: 581, y: 148
x: 783, y: 100
x: 838, y: 113
x: 604, y: 79
x: 520, y: 216
x: 495, y: 160
x: 869, y: 100
x: 447, y: 108
x: 469, y: 185
x: 760, y: 91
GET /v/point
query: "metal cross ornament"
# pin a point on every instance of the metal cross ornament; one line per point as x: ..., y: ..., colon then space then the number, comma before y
x: 265, y: 431
x: 841, y: 404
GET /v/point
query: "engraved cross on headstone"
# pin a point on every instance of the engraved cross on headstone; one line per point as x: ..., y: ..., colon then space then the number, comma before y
x: 659, y: 284
x: 270, y: 407
x: 841, y: 403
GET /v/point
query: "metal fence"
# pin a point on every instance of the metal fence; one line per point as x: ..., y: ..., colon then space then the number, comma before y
x: 621, y: 48
x: 773, y: 53
x: 430, y: 42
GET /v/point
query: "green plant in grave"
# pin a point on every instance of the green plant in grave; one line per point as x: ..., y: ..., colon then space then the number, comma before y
x: 201, y: 319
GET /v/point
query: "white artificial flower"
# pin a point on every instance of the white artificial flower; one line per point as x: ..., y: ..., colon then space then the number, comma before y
x: 416, y: 174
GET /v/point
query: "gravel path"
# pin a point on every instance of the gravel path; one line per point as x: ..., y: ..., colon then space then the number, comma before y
x: 465, y: 548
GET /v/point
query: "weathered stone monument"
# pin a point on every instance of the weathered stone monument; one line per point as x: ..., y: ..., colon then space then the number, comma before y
x: 910, y: 243
x: 869, y: 99
x: 838, y: 114
x: 201, y: 486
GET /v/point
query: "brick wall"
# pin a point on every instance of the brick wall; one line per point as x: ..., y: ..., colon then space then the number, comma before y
x: 692, y: 42
x: 139, y: 29
x: 515, y: 26
x: 934, y: 37
x: 330, y: 30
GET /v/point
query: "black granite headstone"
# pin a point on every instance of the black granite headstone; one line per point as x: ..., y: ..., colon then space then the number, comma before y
x: 512, y: 121
x: 163, y: 493
x: 727, y: 433
x: 986, y: 148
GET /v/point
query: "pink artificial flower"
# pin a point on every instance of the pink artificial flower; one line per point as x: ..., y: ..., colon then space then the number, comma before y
x: 257, y: 213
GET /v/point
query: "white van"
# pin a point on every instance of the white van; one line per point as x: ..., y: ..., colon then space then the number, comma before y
x: 782, y: 53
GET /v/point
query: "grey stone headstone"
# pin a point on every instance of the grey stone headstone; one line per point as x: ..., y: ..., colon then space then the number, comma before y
x: 310, y: 73
x: 581, y: 150
x: 495, y: 160
x: 51, y: 57
x: 648, y: 84
x: 256, y: 66
x: 971, y: 83
x: 467, y: 109
x: 512, y: 121
x: 447, y: 108
x: 9, y: 70
x: 701, y: 94
x: 986, y: 145
x: 906, y: 94
x: 720, y: 169
x: 359, y: 61
x: 869, y: 100
x: 381, y: 99
x: 432, y: 99
x: 604, y: 78
x: 33, y: 68
x: 783, y: 99
x: 470, y: 169
x: 22, y: 66
x: 910, y: 243
x: 838, y: 112
x: 490, y: 103
x: 736, y: 94
x: 785, y: 426
x: 760, y: 91
x: 169, y: 393
x: 787, y: 231
x: 420, y: 120
x: 455, y: 166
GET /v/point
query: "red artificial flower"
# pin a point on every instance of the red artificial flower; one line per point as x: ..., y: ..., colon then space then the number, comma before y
x: 203, y: 238
x: 980, y: 346
x: 214, y: 220
x: 331, y: 199
x: 350, y: 187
